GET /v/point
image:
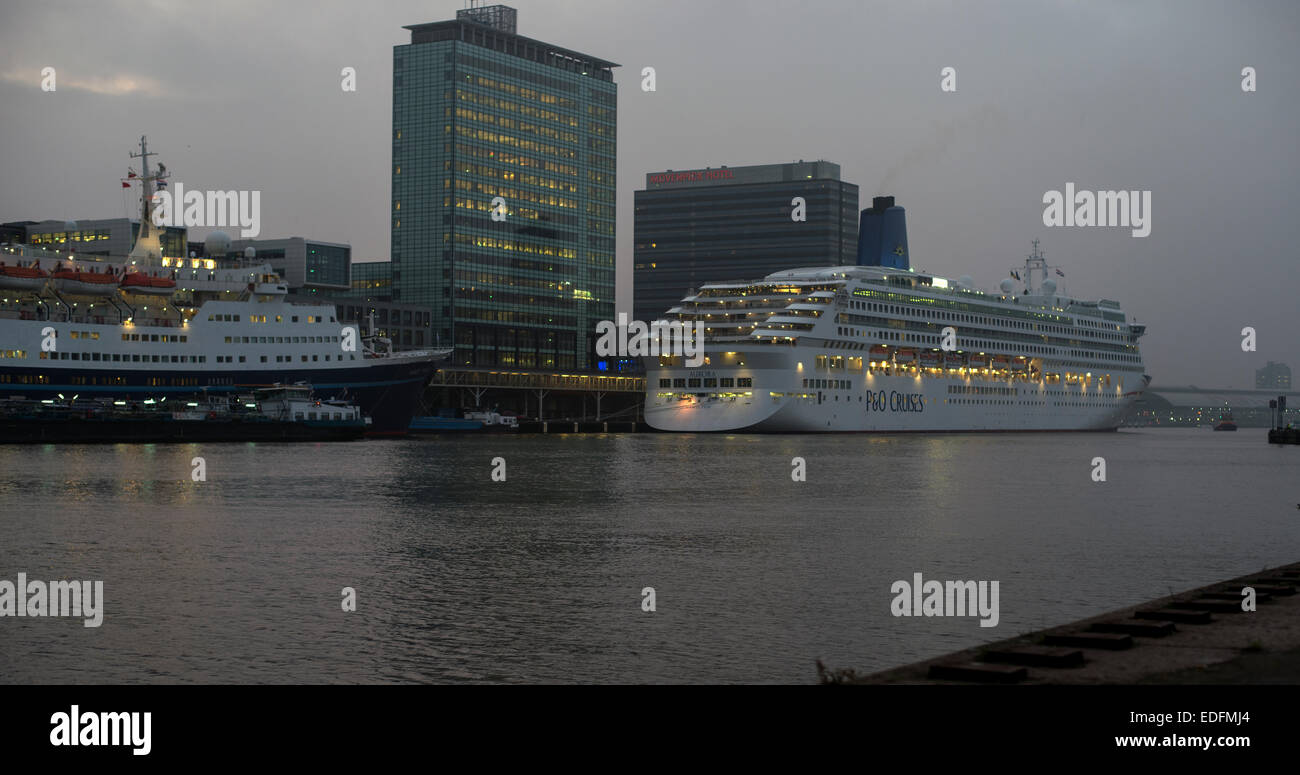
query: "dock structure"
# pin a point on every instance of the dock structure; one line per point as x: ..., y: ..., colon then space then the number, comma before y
x: 1200, y: 636
x: 583, y: 397
x: 1278, y: 434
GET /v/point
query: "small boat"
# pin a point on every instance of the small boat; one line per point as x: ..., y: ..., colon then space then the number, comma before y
x: 905, y: 356
x: 931, y: 359
x: 1019, y: 364
x: 980, y: 361
x: 1226, y: 423
x: 139, y: 282
x: 955, y: 360
x: 85, y: 283
x: 1001, y: 363
x: 23, y: 278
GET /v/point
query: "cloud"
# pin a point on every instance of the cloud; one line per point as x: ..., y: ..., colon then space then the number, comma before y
x: 120, y: 85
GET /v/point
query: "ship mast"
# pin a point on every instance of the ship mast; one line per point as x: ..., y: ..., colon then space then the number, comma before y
x: 148, y: 247
x: 1035, y: 263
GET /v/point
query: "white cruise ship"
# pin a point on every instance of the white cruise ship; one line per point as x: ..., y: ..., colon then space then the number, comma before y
x: 861, y: 348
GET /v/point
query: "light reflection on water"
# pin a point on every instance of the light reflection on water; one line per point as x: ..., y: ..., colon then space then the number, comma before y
x: 539, y: 578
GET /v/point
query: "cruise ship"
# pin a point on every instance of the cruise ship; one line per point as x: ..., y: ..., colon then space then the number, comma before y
x: 146, y: 326
x: 882, y: 347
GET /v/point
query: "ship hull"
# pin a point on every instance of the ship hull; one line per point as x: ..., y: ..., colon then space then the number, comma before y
x: 895, y: 404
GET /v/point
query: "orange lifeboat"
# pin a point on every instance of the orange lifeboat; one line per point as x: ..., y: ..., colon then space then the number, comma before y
x: 25, y: 278
x: 139, y: 282
x: 77, y: 282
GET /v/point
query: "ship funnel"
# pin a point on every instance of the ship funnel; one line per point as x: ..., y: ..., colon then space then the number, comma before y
x: 882, y: 235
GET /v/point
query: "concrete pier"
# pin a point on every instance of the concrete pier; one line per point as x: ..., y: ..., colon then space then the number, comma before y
x: 1201, y: 636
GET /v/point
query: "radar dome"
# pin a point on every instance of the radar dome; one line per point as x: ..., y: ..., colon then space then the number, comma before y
x: 217, y: 244
x: 1049, y: 287
x: 69, y: 225
x: 1007, y: 285
x: 250, y: 253
x: 966, y: 281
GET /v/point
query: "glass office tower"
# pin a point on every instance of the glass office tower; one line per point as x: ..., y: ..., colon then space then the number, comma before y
x: 503, y: 191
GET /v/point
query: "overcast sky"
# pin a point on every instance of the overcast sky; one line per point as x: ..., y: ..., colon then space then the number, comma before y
x: 1107, y: 95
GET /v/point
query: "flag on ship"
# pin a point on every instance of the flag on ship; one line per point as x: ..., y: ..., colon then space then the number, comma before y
x: 125, y: 184
x: 130, y: 173
x: 1058, y: 271
x: 1015, y: 274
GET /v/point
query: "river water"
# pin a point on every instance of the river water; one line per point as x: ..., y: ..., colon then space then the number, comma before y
x: 540, y: 578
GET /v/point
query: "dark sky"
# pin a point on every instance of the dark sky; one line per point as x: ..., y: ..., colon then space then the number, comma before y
x: 1108, y: 95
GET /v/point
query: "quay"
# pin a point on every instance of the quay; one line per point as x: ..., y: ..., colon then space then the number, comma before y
x: 1201, y: 636
x: 1284, y: 436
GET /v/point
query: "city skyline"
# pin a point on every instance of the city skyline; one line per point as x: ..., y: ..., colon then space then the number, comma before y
x: 1146, y: 103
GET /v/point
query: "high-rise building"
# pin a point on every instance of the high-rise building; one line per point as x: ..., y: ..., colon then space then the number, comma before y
x: 737, y: 223
x: 503, y: 190
x: 1274, y: 376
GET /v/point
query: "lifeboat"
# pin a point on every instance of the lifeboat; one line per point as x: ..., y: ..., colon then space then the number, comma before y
x: 880, y: 352
x: 980, y: 361
x: 85, y: 283
x: 24, y: 278
x: 905, y: 356
x: 954, y: 360
x: 1019, y: 364
x: 1001, y: 363
x: 139, y: 282
x: 931, y: 359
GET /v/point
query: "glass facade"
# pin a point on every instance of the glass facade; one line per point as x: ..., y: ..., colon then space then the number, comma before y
x: 503, y: 193
x: 327, y: 264
x: 727, y: 224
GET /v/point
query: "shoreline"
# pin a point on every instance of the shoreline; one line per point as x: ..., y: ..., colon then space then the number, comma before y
x: 1198, y: 636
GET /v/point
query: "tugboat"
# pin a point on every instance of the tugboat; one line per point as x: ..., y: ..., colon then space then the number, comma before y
x: 1226, y: 423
